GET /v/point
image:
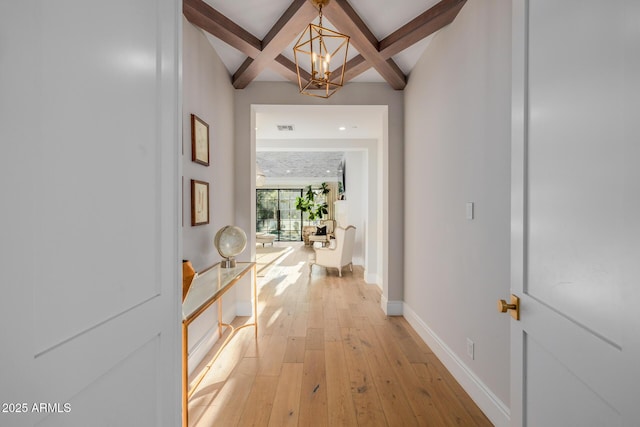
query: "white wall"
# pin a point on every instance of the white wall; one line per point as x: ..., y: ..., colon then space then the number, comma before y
x: 357, y: 199
x: 390, y: 161
x: 457, y: 149
x: 207, y: 93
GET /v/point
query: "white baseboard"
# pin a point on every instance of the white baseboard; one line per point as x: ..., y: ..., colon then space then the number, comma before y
x: 206, y: 343
x: 202, y: 348
x: 391, y: 308
x: 371, y: 278
x: 494, y: 408
x: 243, y: 308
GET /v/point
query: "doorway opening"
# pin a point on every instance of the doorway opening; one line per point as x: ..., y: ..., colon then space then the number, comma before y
x: 355, y: 133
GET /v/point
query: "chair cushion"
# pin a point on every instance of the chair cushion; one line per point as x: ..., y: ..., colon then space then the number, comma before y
x: 321, y: 231
x: 265, y: 238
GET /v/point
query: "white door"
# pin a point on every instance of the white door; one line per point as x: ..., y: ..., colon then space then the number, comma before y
x: 89, y: 262
x: 576, y: 213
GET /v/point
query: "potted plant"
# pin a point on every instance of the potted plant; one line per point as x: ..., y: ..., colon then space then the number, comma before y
x: 308, y: 204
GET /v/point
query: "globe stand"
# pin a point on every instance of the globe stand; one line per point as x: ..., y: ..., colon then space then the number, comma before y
x: 230, y: 241
x: 228, y: 263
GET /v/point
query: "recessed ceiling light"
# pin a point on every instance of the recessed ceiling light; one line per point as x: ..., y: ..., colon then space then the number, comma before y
x: 288, y: 171
x: 328, y: 171
x: 342, y: 128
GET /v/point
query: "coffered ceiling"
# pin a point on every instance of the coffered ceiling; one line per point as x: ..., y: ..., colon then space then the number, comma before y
x: 255, y: 38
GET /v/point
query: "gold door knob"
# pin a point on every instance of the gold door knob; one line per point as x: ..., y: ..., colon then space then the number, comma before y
x: 503, y: 306
x: 513, y: 307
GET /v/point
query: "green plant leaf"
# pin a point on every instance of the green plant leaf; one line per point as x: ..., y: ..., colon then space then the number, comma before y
x: 324, y: 188
x: 320, y: 210
x: 311, y: 195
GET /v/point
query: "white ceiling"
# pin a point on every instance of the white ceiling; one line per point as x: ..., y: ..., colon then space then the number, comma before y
x: 303, y: 153
x: 382, y: 17
x: 317, y: 123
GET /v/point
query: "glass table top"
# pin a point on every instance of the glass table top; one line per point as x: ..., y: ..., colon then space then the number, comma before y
x: 210, y: 285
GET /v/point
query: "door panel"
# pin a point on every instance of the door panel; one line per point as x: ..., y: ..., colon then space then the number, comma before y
x: 115, y: 65
x: 89, y: 174
x: 137, y: 374
x: 290, y: 218
x: 546, y: 405
x: 574, y: 231
x: 267, y: 211
x: 580, y: 352
x: 576, y: 150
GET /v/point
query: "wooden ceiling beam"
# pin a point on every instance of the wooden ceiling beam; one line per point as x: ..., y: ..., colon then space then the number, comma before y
x: 210, y: 20
x: 287, y: 69
x: 421, y: 27
x: 347, y: 21
x: 354, y: 67
x: 266, y: 53
x: 435, y: 18
x: 288, y: 27
x: 213, y: 22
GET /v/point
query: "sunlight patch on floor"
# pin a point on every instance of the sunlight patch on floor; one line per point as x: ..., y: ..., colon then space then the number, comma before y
x: 280, y: 276
x: 274, y: 317
x: 283, y: 276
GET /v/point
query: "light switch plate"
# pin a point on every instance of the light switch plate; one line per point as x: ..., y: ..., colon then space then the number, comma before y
x: 471, y: 349
x: 469, y: 210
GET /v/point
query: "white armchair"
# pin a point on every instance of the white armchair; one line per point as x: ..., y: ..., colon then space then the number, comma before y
x: 339, y: 255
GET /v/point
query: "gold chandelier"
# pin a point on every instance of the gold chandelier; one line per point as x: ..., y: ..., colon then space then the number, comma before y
x: 316, y: 50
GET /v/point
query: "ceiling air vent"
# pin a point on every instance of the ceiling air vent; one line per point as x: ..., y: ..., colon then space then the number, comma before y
x: 285, y: 128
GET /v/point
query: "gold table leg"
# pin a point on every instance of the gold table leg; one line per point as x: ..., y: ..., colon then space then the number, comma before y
x: 185, y: 375
x: 186, y: 393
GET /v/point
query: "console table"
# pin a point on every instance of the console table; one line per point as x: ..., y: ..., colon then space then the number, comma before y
x: 207, y: 288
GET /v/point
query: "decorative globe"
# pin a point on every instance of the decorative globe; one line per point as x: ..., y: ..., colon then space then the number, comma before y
x: 230, y: 241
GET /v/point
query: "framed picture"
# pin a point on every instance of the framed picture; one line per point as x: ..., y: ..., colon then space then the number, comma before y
x: 199, y: 141
x: 199, y: 202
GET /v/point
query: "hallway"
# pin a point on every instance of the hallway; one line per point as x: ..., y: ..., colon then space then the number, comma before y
x: 327, y: 356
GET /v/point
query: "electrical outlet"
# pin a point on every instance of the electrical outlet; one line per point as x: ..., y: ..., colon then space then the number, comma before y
x: 470, y: 349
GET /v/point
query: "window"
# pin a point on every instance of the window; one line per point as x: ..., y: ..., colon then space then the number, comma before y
x: 276, y: 213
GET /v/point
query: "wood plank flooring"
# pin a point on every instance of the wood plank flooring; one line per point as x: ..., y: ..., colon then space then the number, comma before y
x: 326, y: 355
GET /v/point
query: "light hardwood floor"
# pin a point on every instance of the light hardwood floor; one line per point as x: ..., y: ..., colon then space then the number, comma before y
x: 326, y: 355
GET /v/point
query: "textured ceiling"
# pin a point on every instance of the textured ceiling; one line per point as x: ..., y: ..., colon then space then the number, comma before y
x: 301, y: 164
